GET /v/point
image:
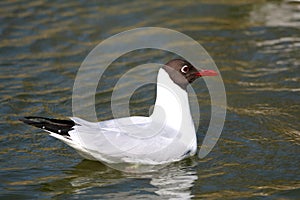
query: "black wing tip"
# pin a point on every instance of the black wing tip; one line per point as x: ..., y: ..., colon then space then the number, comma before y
x: 27, y: 119
x: 33, y: 119
x: 58, y: 126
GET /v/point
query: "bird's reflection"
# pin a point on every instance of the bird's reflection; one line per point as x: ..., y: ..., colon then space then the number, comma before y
x: 176, y: 181
x: 91, y: 179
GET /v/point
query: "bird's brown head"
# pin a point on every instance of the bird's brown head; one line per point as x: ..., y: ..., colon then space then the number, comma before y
x: 182, y: 72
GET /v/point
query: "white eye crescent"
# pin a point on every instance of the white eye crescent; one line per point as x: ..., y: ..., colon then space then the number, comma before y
x: 184, y: 69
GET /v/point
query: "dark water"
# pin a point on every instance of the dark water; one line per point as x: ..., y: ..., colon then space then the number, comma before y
x: 256, y: 46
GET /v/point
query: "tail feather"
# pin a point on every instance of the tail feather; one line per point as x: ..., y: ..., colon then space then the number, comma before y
x: 61, y: 127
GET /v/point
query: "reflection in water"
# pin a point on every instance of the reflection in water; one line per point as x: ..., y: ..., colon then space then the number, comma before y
x: 93, y: 179
x: 175, y: 182
x: 287, y: 14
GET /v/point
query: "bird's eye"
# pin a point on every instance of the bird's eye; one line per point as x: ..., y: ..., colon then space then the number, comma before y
x: 184, y: 69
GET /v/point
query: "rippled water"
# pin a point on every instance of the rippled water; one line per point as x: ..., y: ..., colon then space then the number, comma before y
x: 256, y: 46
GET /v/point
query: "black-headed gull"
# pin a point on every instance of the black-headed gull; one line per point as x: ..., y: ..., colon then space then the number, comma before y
x: 167, y: 135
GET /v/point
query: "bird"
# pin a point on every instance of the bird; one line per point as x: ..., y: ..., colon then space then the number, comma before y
x: 165, y: 136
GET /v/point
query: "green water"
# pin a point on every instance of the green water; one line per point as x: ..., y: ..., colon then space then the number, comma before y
x: 255, y: 45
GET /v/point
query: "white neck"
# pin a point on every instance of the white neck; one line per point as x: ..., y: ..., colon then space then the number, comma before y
x: 172, y: 106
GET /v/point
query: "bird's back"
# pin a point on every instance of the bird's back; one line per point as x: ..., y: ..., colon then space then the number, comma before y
x: 114, y: 140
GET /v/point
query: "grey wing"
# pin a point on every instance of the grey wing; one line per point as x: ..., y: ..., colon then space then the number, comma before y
x: 112, y: 140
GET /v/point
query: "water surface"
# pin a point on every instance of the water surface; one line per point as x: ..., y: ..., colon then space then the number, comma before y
x: 256, y: 46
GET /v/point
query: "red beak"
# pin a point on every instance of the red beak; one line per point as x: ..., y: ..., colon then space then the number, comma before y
x: 206, y: 73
